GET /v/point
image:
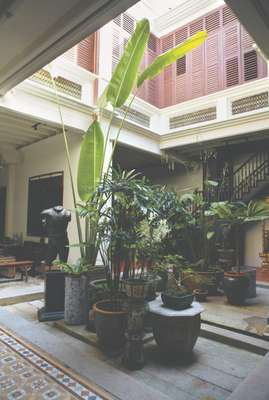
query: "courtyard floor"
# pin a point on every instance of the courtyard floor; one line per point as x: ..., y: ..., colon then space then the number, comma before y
x: 205, y: 375
x: 250, y: 318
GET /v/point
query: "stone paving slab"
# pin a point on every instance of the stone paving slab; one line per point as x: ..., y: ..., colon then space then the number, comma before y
x: 250, y: 318
x: 20, y: 292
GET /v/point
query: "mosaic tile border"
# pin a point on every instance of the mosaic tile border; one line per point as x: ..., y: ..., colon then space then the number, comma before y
x: 79, y: 390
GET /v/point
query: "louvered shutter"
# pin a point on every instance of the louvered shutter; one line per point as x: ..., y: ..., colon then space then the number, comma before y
x: 167, y: 79
x: 231, y: 48
x: 70, y: 55
x: 197, y: 63
x: 85, y: 53
x: 181, y: 68
x: 116, y: 48
x: 213, y: 54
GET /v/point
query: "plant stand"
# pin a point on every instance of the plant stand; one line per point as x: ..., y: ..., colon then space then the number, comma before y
x: 54, y: 297
x: 134, y: 349
x: 175, y: 332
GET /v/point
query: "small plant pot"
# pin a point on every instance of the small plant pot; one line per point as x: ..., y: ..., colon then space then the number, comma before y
x: 200, y: 295
x: 110, y: 323
x: 235, y: 287
x: 136, y: 288
x: 177, y: 302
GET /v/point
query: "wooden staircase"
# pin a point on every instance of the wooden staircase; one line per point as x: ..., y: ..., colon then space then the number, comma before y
x: 251, y: 178
x: 245, y: 183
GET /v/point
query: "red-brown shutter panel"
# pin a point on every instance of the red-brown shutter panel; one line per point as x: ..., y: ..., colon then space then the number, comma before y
x: 231, y: 48
x: 86, y: 53
x: 213, y: 54
x: 197, y: 63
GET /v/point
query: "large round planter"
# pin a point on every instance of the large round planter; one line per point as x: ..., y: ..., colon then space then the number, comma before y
x: 110, y: 323
x: 175, y: 336
x: 75, y: 302
x: 177, y: 303
x: 235, y: 287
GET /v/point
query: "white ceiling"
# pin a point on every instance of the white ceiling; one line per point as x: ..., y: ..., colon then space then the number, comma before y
x: 167, y: 15
x: 153, y: 9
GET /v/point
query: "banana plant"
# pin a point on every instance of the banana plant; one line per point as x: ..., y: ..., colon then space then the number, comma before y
x: 125, y: 81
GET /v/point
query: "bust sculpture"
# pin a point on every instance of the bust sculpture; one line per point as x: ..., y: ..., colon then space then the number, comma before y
x: 56, y: 220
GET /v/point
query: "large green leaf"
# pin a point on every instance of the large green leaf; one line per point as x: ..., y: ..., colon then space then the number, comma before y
x: 125, y: 75
x: 168, y: 58
x: 90, y: 161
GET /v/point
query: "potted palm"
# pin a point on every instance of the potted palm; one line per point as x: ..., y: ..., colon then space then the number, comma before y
x: 95, y: 159
x: 236, y: 281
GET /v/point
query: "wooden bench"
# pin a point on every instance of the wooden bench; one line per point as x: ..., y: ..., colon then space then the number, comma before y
x: 11, y: 266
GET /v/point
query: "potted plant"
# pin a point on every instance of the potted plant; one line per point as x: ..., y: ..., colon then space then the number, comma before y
x: 176, y: 296
x: 193, y: 230
x: 95, y: 157
x: 236, y: 281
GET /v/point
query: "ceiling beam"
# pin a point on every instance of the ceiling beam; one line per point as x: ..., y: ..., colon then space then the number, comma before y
x: 85, y: 18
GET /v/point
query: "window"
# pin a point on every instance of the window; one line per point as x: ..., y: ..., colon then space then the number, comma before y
x: 232, y: 72
x: 250, y: 65
x: 44, y: 191
x: 181, y: 66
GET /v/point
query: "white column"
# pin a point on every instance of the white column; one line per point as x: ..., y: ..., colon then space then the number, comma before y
x: 105, y: 55
x: 10, y: 200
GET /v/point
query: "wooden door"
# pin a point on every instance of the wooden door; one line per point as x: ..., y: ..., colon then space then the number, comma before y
x: 2, y: 212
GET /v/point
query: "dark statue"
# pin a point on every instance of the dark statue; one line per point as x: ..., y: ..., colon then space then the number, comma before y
x: 56, y: 220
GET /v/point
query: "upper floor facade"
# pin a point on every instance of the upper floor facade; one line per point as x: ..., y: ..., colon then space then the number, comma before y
x: 219, y: 90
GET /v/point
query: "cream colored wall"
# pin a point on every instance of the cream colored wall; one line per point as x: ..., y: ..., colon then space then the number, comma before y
x: 41, y: 158
x: 253, y: 244
x: 182, y: 180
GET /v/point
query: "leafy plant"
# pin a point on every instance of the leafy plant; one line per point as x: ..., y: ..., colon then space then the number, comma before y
x: 93, y: 171
x: 236, y: 214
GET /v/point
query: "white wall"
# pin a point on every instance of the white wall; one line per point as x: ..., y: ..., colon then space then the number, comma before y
x: 41, y: 158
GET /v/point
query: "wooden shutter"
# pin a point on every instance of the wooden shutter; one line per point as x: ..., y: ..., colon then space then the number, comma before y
x: 128, y: 23
x: 85, y: 53
x: 70, y: 55
x: 213, y: 54
x: 116, y: 48
x: 231, y: 48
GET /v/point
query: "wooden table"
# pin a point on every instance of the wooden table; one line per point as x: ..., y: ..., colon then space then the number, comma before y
x: 175, y: 332
x: 9, y: 265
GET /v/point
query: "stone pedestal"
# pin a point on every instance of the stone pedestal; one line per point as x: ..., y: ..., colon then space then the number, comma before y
x: 134, y: 349
x: 175, y: 332
x: 54, y: 297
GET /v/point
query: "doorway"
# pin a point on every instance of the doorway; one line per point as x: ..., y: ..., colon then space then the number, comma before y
x: 2, y: 212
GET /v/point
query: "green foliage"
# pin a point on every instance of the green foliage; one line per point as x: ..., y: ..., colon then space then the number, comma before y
x: 125, y: 75
x: 90, y: 161
x: 76, y: 269
x: 168, y: 58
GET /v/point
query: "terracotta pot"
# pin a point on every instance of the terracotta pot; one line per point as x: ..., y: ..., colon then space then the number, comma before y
x: 110, y: 323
